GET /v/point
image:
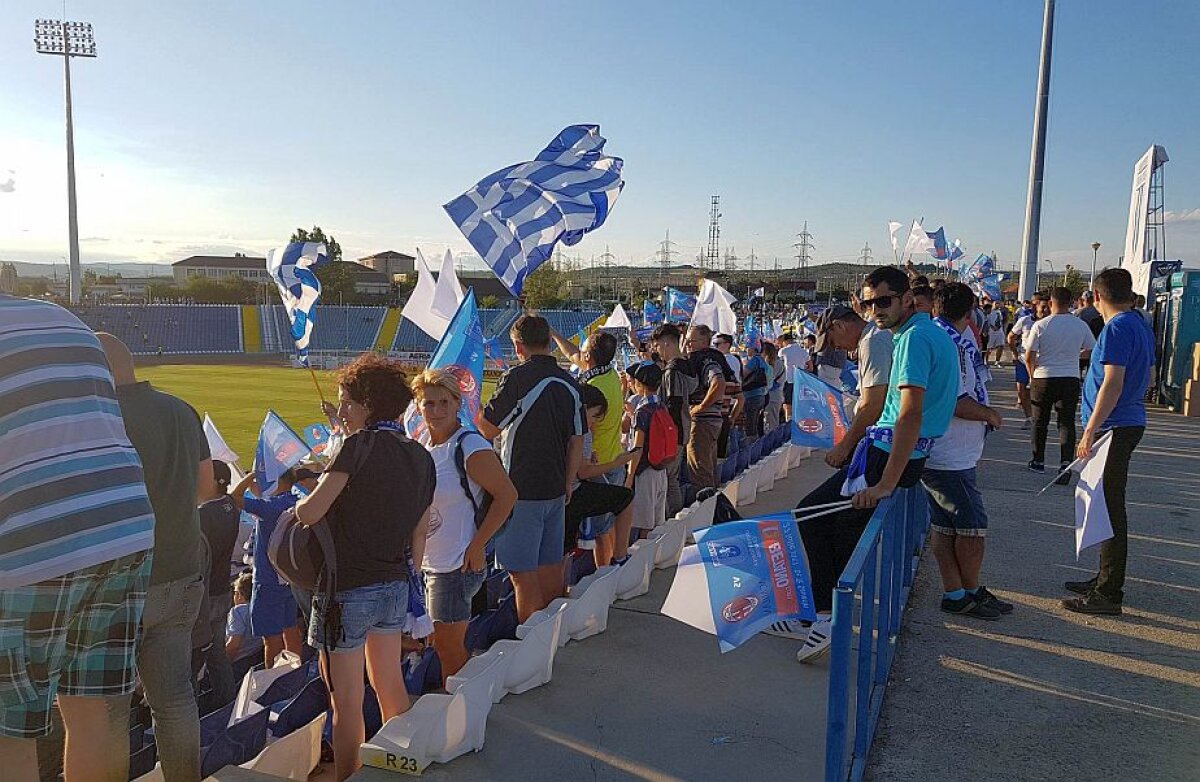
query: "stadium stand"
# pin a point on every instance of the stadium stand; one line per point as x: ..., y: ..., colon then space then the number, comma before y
x: 338, y: 328
x: 149, y: 329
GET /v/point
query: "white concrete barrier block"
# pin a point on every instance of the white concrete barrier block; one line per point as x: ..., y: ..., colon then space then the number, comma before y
x: 495, y: 660
x: 294, y: 756
x: 634, y: 578
x: 670, y: 543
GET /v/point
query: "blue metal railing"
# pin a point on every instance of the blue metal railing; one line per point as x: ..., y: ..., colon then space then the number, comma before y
x: 880, y: 572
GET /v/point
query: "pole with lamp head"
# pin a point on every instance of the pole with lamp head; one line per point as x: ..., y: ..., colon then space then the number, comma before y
x: 1092, y: 279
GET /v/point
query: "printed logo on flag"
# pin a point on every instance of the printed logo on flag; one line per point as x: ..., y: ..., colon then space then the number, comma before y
x: 817, y: 412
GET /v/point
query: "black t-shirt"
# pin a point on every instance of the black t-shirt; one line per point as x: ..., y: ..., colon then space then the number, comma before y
x: 679, y: 383
x: 219, y: 521
x: 537, y: 459
x: 373, y: 518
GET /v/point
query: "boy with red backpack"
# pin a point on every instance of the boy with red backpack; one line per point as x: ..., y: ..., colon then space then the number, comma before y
x: 654, y: 432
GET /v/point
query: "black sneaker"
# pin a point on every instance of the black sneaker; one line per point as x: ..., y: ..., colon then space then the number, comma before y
x: 1036, y: 466
x: 1065, y: 478
x: 983, y: 595
x: 1080, y: 587
x: 970, y: 606
x: 1092, y: 603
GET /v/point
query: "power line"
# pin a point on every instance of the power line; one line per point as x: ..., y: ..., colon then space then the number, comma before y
x: 714, y: 235
x: 804, y: 248
x: 664, y: 258
x: 864, y: 256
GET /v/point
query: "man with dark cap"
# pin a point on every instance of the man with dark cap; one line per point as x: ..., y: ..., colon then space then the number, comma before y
x: 840, y: 327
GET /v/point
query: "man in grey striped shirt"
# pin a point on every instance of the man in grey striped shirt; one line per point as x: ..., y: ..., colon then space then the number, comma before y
x: 76, y: 529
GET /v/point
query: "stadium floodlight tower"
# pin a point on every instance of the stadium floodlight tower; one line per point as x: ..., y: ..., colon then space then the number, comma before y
x: 68, y: 39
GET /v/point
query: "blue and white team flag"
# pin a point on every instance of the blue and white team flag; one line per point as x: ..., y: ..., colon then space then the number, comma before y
x: 460, y: 353
x: 493, y: 349
x: 316, y: 436
x: 292, y: 268
x: 515, y: 217
x: 938, y: 249
x: 279, y: 450
x: 740, y: 577
x: 818, y: 416
x: 680, y: 306
x: 217, y: 447
x: 652, y: 314
x: 983, y: 279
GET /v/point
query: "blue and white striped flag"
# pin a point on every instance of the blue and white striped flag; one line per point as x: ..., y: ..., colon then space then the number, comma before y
x: 292, y: 269
x: 514, y: 217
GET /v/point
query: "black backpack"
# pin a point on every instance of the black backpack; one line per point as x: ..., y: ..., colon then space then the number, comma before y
x: 460, y: 463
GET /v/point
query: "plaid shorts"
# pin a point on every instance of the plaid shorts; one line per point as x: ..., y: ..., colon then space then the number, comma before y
x: 74, y: 635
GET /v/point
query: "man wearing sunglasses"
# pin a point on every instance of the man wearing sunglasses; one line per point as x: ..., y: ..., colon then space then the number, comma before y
x: 922, y: 393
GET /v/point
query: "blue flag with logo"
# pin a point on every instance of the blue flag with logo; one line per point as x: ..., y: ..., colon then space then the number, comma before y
x: 680, y: 306
x: 849, y: 378
x: 316, y: 436
x: 938, y: 238
x: 751, y: 337
x: 652, y: 314
x: 818, y: 417
x: 460, y: 353
x: 279, y: 450
x: 757, y: 573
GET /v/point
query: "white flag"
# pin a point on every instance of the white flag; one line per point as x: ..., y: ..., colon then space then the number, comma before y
x: 688, y: 599
x: 759, y: 293
x: 713, y: 309
x: 433, y: 304
x: 1092, y: 524
x: 217, y: 447
x: 893, y: 227
x: 618, y: 319
x: 918, y: 241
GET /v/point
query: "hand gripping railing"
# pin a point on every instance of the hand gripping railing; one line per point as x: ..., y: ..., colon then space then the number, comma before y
x: 881, y: 571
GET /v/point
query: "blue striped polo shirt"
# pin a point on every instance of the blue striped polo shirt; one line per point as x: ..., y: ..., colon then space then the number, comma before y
x: 72, y: 494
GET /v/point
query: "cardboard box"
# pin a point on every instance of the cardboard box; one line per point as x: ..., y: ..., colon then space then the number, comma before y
x: 1196, y: 361
x: 1191, y: 407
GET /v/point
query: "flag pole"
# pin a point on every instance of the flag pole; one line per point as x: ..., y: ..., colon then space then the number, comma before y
x: 312, y: 373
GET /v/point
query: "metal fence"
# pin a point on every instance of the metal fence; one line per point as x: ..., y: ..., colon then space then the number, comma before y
x: 868, y: 605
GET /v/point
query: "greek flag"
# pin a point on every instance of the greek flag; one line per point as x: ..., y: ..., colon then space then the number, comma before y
x: 292, y: 269
x: 514, y: 217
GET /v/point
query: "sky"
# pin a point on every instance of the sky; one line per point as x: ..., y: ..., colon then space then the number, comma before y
x: 221, y: 126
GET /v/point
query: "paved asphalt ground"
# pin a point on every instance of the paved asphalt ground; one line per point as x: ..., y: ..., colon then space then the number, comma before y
x: 1044, y: 694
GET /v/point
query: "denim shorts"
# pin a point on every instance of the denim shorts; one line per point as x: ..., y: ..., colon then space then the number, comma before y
x: 448, y: 595
x: 956, y: 506
x: 377, y: 608
x: 272, y: 610
x: 533, y: 535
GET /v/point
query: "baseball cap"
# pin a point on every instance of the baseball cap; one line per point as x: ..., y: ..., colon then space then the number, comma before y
x: 647, y: 373
x: 826, y: 319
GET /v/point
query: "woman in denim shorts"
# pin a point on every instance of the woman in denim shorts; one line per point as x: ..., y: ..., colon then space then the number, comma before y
x: 375, y: 496
x: 454, y: 561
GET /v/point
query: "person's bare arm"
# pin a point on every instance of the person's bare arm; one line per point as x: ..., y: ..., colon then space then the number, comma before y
x: 566, y: 347
x: 969, y: 410
x: 639, y: 443
x: 233, y: 645
x: 574, y: 459
x: 484, y: 468
x: 313, y: 508
x: 1031, y: 360
x: 591, y: 470
x: 419, y: 535
x: 905, y: 434
x: 204, y: 479
x: 716, y: 390
x: 1106, y: 400
x: 870, y: 407
x: 238, y: 495
x: 486, y: 427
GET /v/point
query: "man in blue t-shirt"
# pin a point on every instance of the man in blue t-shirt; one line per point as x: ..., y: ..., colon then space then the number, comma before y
x: 1114, y: 392
x: 921, y: 397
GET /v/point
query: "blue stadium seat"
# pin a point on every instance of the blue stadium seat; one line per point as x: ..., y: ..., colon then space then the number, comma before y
x: 171, y: 328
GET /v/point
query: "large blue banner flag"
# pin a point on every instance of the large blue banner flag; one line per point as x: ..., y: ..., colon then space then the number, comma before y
x: 279, y: 450
x: 514, y: 217
x: 757, y: 573
x: 818, y: 416
x: 292, y: 270
x: 938, y: 238
x: 680, y: 306
x: 652, y: 314
x: 461, y: 353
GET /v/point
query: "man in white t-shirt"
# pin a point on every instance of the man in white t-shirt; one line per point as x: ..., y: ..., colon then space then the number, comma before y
x: 1052, y: 353
x: 1018, y: 341
x: 959, y: 521
x: 794, y: 357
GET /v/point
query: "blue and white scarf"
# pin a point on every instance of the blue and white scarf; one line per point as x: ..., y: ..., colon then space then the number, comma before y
x: 856, y: 473
x: 983, y: 375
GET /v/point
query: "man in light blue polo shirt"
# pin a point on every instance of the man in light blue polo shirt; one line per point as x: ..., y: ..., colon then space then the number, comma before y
x: 922, y: 393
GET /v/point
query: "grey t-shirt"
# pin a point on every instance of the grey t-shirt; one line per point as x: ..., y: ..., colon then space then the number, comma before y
x: 875, y: 348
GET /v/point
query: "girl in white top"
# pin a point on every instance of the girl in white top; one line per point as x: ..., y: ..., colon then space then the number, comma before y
x: 455, y: 549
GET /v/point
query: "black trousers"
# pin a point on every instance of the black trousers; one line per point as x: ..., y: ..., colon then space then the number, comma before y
x: 830, y: 540
x: 1110, y: 582
x: 1060, y: 395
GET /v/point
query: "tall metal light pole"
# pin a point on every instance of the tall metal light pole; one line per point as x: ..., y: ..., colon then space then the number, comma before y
x: 1092, y: 279
x: 1037, y: 163
x: 68, y: 39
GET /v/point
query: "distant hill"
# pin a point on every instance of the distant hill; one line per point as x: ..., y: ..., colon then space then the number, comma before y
x: 50, y: 270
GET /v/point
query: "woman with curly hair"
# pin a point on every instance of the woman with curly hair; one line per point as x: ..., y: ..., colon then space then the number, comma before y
x: 375, y: 496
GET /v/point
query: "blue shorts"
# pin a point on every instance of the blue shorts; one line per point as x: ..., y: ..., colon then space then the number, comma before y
x: 955, y: 504
x: 533, y: 536
x: 595, y: 526
x: 377, y: 608
x: 448, y: 595
x: 272, y: 610
x: 1022, y: 373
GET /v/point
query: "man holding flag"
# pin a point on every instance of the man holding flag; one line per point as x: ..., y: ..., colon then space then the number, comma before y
x: 1114, y: 393
x: 921, y: 397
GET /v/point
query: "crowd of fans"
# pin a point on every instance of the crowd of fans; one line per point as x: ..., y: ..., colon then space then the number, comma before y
x: 120, y: 564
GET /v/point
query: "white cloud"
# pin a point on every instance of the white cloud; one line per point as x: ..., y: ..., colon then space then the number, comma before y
x: 1184, y: 216
x: 8, y: 186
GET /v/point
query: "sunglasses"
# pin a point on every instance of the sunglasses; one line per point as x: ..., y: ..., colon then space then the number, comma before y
x: 883, y: 302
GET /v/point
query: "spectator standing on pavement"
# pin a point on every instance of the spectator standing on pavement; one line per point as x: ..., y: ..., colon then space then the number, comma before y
x: 841, y: 328
x: 1055, y: 346
x: 1018, y: 341
x: 679, y: 383
x: 1114, y: 393
x: 537, y: 409
x: 76, y: 530
x: 170, y: 440
x: 958, y: 517
x: 705, y: 406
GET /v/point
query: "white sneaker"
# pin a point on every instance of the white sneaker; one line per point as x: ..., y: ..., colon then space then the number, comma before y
x: 788, y: 628
x: 816, y: 645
